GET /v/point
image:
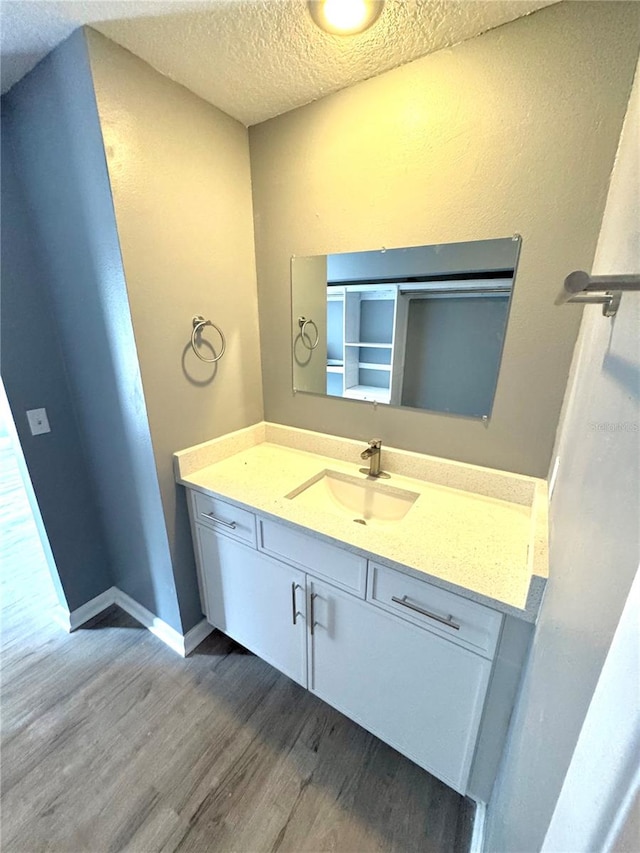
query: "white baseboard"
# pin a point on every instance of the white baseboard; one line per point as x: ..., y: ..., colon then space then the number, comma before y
x: 172, y: 638
x: 70, y: 620
x: 196, y: 635
x: 62, y: 616
x: 183, y: 644
x: 477, y: 837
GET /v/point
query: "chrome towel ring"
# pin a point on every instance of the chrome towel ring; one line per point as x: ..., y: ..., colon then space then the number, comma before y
x: 303, y: 322
x: 199, y: 323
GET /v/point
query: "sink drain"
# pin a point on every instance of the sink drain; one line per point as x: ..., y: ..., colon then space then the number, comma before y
x: 360, y: 521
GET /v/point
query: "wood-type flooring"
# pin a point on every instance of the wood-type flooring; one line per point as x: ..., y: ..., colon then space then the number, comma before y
x: 112, y: 742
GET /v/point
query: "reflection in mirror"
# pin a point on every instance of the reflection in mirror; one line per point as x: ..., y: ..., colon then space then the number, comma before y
x: 422, y: 326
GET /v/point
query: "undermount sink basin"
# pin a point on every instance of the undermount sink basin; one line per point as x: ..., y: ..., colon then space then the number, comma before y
x: 363, y: 500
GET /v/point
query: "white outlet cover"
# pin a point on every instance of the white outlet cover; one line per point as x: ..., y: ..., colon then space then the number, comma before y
x: 38, y: 421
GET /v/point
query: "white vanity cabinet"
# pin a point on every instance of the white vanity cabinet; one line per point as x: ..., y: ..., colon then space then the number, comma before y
x: 421, y: 694
x: 257, y: 601
x: 412, y: 663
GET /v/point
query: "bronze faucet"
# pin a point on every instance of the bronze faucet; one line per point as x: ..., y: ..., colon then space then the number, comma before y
x: 372, y: 453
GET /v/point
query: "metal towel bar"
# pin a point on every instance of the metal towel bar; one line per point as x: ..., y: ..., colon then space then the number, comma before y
x: 606, y: 290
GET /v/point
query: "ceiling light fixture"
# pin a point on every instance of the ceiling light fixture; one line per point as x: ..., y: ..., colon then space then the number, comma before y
x: 345, y: 17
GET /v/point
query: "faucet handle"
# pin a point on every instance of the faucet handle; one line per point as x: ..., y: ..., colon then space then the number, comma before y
x: 376, y: 443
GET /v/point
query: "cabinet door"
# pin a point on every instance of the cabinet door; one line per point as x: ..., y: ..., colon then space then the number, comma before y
x: 257, y: 601
x: 421, y: 694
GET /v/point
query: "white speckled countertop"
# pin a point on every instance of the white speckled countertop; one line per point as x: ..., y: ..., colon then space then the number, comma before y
x: 477, y: 532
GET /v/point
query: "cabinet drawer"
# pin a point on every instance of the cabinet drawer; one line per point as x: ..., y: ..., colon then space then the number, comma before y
x: 444, y: 613
x: 224, y: 518
x: 335, y: 564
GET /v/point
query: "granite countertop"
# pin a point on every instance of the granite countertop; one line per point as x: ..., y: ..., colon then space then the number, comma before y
x: 489, y: 549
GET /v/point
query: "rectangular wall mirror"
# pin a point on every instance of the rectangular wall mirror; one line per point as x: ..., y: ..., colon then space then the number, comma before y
x: 422, y: 326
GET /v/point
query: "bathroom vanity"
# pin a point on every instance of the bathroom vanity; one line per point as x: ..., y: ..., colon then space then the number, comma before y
x: 407, y: 603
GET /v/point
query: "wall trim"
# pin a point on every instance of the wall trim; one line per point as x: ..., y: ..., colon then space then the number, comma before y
x: 196, y: 635
x: 62, y: 616
x: 161, y: 629
x: 183, y: 644
x: 479, y: 822
x: 72, y: 619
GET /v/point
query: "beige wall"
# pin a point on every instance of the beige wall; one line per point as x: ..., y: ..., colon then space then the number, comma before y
x: 180, y: 177
x: 514, y: 131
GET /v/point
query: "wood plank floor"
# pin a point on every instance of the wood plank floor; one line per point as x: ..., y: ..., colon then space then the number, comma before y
x: 112, y: 742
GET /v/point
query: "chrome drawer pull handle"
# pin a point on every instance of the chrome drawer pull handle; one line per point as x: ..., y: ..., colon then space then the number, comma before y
x: 294, y: 607
x: 448, y: 621
x: 212, y: 517
x: 312, y: 614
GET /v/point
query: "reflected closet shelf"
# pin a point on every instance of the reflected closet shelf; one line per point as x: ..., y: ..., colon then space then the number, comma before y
x: 368, y: 392
x: 369, y: 365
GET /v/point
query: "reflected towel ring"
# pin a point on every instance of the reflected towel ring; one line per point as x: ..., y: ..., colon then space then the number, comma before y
x: 303, y: 322
x: 199, y: 323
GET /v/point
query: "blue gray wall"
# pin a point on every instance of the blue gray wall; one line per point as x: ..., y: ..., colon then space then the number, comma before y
x: 34, y: 375
x: 60, y: 161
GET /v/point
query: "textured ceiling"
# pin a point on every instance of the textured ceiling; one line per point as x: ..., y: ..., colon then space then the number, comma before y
x: 254, y: 59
